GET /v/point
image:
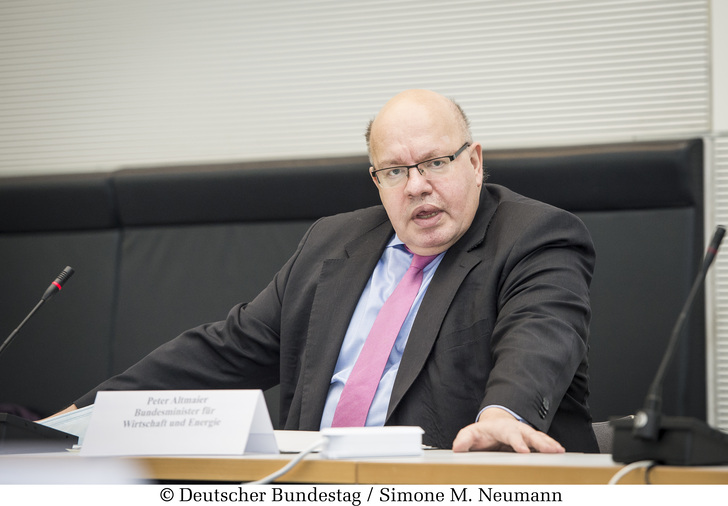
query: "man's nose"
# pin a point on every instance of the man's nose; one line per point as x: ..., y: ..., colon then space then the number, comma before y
x: 417, y: 184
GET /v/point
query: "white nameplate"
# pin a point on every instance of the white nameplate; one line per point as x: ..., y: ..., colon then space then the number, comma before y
x: 179, y: 422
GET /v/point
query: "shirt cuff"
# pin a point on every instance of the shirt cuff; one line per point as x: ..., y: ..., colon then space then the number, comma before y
x: 516, y: 415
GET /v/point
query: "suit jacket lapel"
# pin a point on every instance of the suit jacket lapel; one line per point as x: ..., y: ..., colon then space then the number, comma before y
x: 341, y: 282
x: 451, y: 273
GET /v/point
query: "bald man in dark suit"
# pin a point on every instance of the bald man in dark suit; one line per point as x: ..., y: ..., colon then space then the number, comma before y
x: 493, y: 354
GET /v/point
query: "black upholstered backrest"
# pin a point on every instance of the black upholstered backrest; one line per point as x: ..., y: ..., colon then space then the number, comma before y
x: 158, y: 250
x: 643, y: 204
x: 47, y: 223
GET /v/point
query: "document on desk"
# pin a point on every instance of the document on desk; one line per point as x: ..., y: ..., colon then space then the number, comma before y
x: 179, y: 422
x: 74, y: 422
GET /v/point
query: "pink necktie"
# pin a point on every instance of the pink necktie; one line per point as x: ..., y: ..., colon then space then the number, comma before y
x: 358, y: 392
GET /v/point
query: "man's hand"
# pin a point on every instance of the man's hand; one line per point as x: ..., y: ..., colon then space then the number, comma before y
x: 498, y: 430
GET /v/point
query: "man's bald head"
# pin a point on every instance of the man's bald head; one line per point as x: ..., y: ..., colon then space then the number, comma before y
x: 412, y: 102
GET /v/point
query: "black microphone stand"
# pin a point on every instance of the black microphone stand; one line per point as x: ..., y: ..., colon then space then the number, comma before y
x: 18, y: 435
x: 668, y: 439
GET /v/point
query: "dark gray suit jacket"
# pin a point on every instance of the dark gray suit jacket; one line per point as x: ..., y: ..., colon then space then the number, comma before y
x: 504, y: 321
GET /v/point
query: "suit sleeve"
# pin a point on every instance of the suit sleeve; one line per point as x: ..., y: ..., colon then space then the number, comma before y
x: 539, y: 341
x: 242, y: 351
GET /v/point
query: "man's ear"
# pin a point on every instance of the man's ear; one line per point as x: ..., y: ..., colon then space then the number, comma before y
x: 476, y: 159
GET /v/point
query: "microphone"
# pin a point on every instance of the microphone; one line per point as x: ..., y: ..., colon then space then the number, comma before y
x: 671, y: 440
x: 18, y: 435
x: 57, y: 284
x: 52, y: 289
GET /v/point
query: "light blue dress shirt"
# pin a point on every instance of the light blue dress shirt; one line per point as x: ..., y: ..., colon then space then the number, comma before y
x: 389, y: 271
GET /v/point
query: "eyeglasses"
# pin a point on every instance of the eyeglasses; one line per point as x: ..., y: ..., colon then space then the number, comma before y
x: 434, y: 168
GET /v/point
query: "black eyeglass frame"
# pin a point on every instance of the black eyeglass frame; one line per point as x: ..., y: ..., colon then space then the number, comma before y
x: 450, y: 158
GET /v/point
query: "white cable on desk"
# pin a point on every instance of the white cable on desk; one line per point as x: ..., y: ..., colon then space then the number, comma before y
x: 290, y: 465
x: 629, y: 468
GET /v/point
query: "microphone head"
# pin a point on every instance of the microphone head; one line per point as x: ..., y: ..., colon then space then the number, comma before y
x: 63, y: 276
x: 57, y: 284
x: 712, y: 250
x: 718, y: 237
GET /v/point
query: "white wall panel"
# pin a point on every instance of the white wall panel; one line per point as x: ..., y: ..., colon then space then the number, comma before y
x: 97, y: 84
x: 717, y: 366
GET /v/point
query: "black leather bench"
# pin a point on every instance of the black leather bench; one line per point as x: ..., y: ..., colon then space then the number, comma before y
x: 159, y: 250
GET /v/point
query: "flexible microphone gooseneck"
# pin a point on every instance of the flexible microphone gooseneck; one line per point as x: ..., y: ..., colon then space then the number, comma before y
x: 671, y: 440
x: 52, y: 289
x: 647, y: 420
x: 18, y: 435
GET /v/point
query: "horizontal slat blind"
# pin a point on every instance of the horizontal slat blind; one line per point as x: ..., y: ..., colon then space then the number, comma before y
x: 97, y: 84
x: 718, y: 359
x: 88, y: 85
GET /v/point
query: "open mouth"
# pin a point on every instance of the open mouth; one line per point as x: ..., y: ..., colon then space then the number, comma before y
x: 426, y: 215
x: 426, y: 212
